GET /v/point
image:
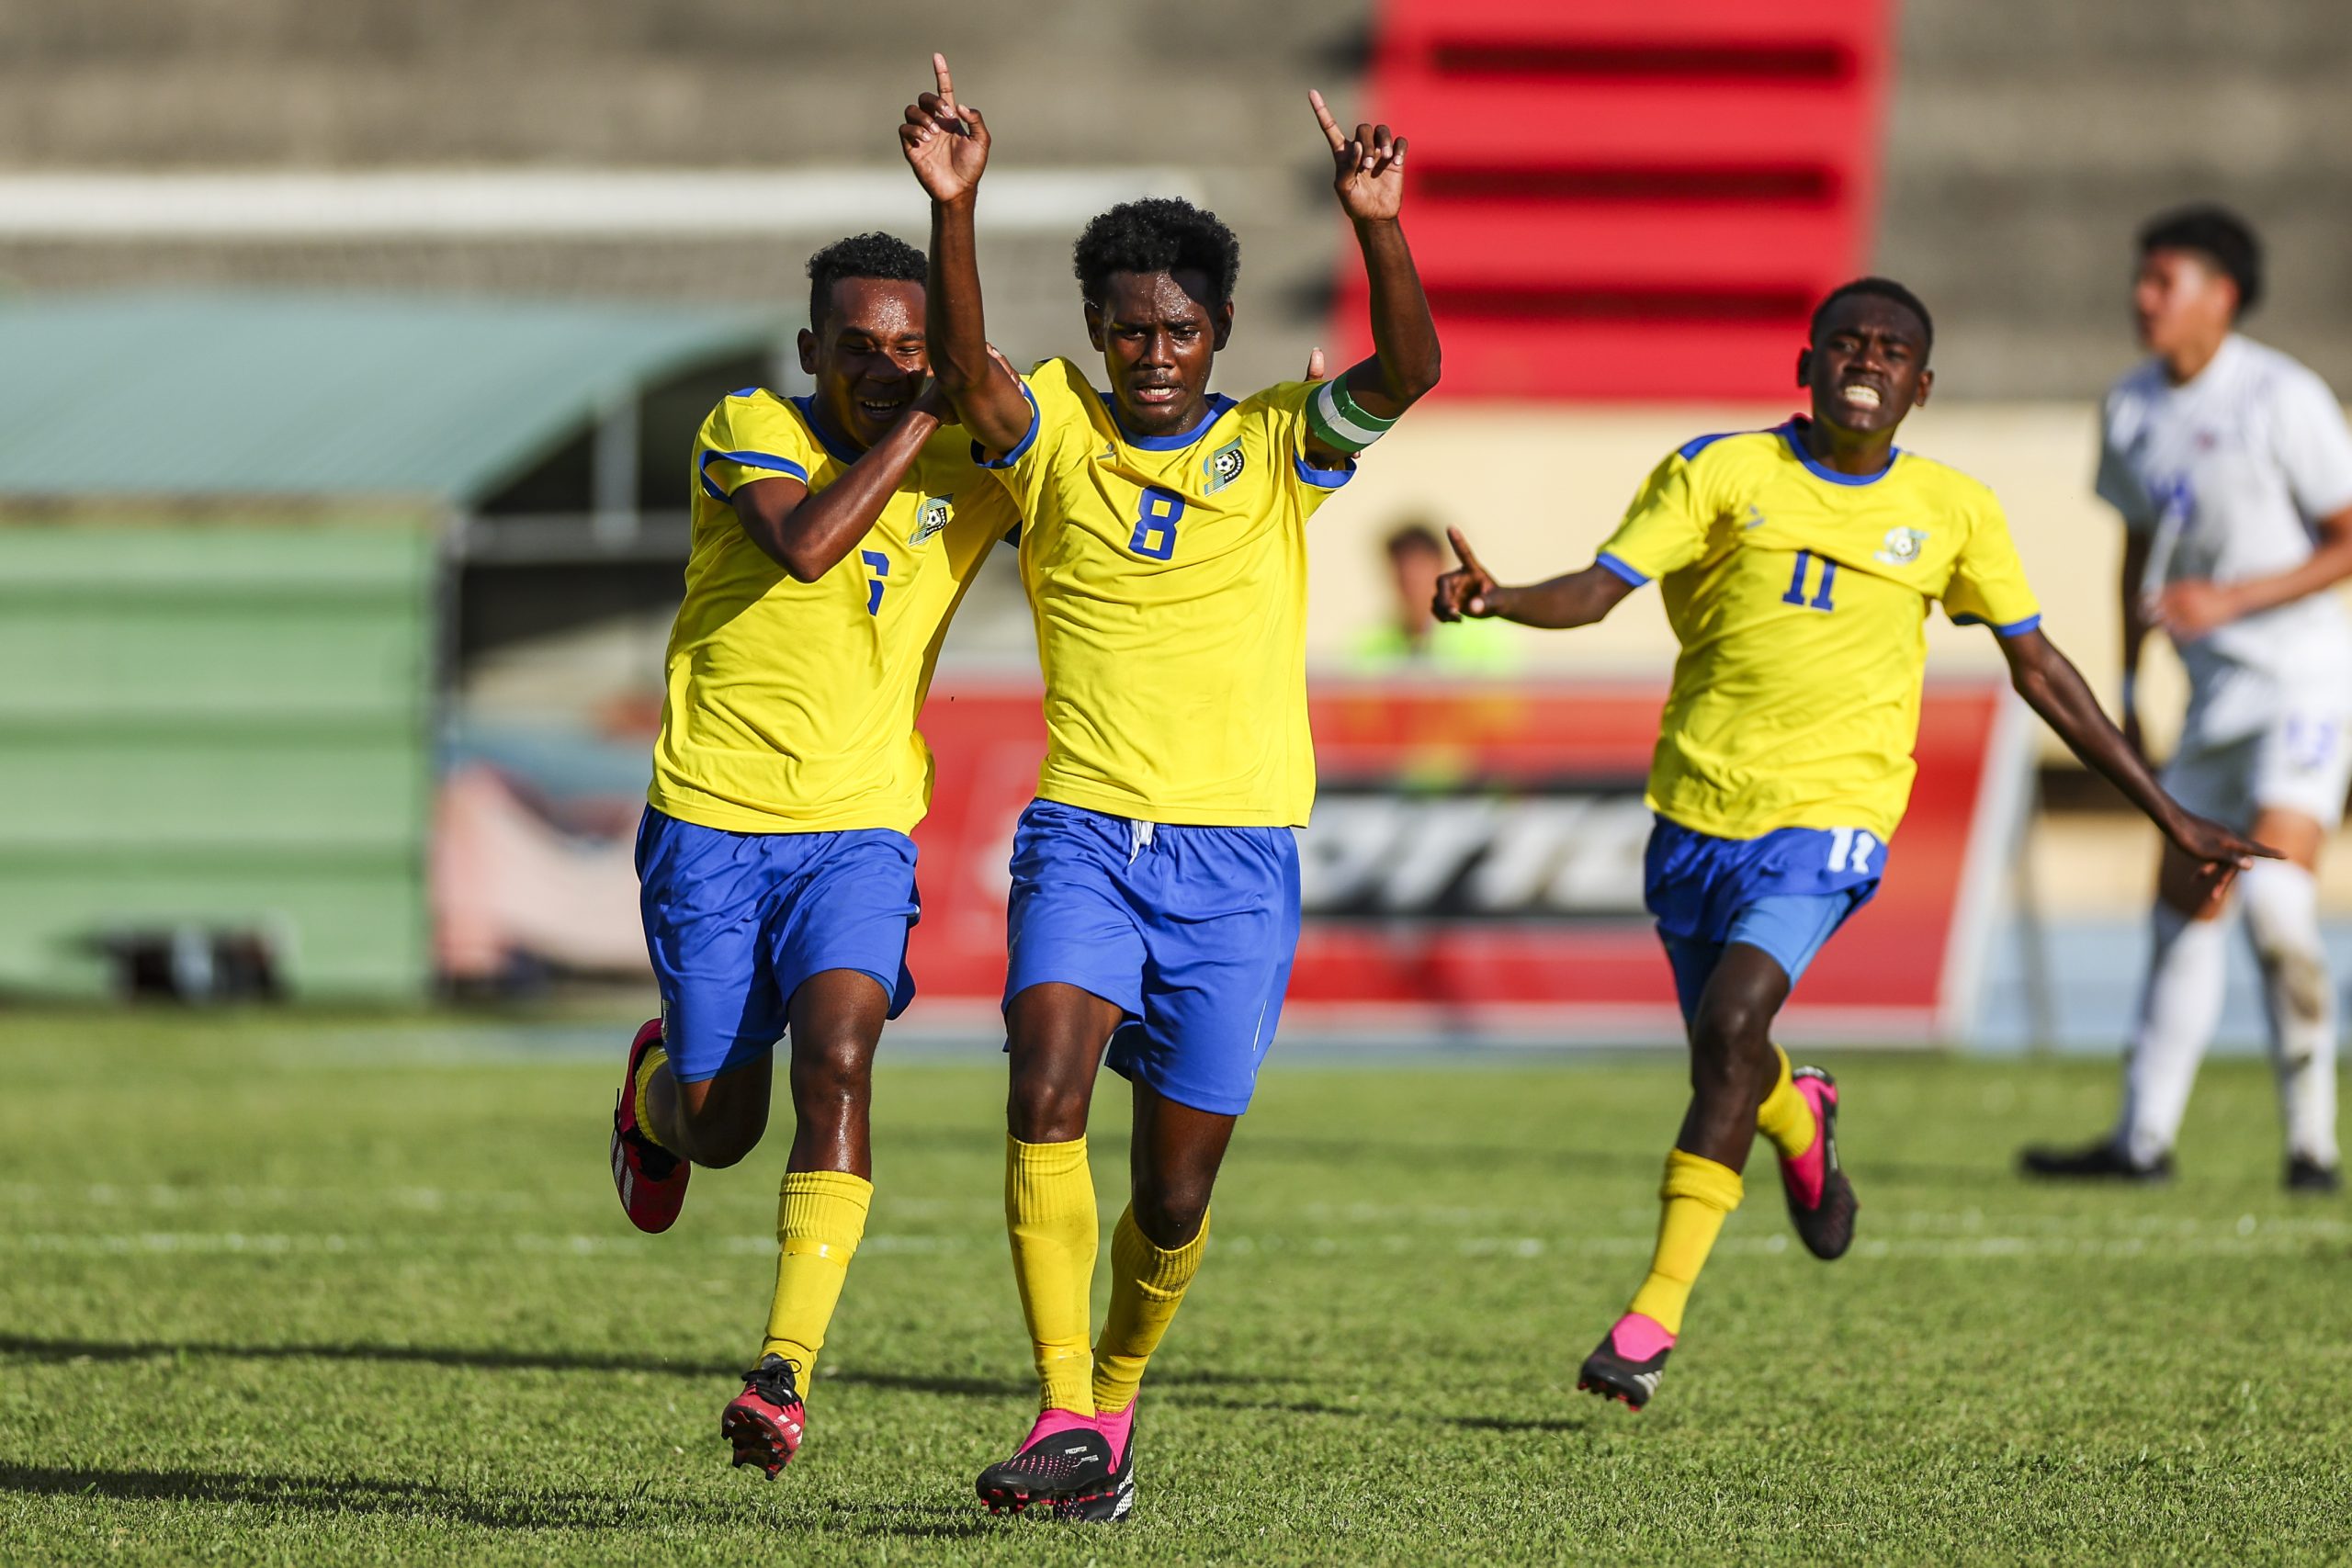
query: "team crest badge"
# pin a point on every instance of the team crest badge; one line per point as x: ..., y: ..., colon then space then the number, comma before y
x: 930, y: 517
x: 1222, y: 467
x: 1902, y: 547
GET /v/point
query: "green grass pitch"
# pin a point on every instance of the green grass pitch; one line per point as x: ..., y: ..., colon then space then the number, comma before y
x: 357, y: 1290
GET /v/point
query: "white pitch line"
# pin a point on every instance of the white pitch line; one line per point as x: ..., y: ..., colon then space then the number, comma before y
x: 544, y: 204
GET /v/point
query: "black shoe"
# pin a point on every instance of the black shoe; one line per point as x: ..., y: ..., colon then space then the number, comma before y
x: 2101, y: 1161
x: 1828, y: 1227
x: 766, y: 1421
x: 1612, y: 1374
x: 2305, y: 1173
x: 1069, y: 1465
x: 1109, y: 1504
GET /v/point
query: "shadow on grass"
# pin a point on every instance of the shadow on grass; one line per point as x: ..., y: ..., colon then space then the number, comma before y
x: 1359, y: 1412
x: 31, y: 1348
x: 430, y: 1355
x: 418, y: 1500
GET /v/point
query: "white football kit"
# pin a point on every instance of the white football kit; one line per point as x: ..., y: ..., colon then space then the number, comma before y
x: 2228, y: 474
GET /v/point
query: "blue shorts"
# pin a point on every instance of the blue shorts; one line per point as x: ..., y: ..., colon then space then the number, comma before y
x: 1189, y: 932
x: 1786, y: 892
x: 735, y: 921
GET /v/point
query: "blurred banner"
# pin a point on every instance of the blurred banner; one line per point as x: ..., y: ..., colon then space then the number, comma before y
x: 1474, y: 866
x: 1473, y: 870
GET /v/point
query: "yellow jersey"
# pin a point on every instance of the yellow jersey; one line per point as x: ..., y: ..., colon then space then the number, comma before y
x: 791, y: 706
x: 1168, y: 579
x: 1800, y: 597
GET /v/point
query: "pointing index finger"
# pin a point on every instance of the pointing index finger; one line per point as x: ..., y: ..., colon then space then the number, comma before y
x: 1331, y: 132
x: 1462, y: 550
x: 946, y: 83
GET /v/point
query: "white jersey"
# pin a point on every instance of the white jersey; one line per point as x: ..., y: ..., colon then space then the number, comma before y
x: 2228, y: 474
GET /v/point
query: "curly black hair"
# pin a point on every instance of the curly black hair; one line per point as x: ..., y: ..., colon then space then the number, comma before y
x: 2217, y: 233
x: 878, y: 255
x: 1159, y: 233
x: 1882, y: 288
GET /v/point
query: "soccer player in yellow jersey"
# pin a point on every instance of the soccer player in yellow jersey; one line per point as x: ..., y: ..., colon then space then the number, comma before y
x: 833, y: 537
x: 1797, y: 566
x: 1155, y: 879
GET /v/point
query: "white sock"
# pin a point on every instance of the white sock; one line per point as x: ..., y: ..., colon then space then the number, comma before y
x: 2283, y: 917
x: 2179, y: 1012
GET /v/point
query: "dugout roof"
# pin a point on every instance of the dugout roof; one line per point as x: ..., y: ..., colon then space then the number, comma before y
x: 323, y: 395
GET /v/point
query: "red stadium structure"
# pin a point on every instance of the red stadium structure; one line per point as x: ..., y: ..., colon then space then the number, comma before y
x: 1630, y: 201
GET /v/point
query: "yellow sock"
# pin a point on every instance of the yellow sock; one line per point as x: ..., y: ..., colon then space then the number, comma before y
x: 1050, y: 1210
x: 819, y: 1218
x: 1147, y: 1286
x: 1785, y: 1117
x: 1699, y: 1194
x: 653, y: 1061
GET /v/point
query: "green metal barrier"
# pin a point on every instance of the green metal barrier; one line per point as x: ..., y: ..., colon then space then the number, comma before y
x: 223, y: 728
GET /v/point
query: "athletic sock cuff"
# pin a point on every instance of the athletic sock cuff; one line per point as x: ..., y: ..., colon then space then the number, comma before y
x: 823, y: 1211
x: 1700, y: 1179
x: 1158, y: 1270
x: 654, y: 1060
x: 1046, y: 1181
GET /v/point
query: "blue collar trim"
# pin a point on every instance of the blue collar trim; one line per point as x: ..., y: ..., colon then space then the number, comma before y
x: 840, y: 454
x: 1789, y: 434
x: 1218, y: 402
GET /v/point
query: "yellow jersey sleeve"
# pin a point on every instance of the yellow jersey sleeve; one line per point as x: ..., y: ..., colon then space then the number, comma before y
x: 1988, y: 585
x: 746, y: 439
x: 1666, y: 528
x: 1281, y: 409
x: 1061, y: 432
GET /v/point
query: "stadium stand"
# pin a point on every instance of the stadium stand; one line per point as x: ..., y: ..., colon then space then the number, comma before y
x: 2022, y: 144
x: 1616, y: 202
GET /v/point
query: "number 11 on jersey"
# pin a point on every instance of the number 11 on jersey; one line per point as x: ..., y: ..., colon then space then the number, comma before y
x: 1820, y: 600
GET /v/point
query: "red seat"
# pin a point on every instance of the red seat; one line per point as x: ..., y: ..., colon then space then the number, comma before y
x: 1611, y: 200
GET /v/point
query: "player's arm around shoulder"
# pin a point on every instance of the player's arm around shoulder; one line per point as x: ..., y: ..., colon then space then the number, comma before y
x: 1355, y: 408
x: 808, y: 532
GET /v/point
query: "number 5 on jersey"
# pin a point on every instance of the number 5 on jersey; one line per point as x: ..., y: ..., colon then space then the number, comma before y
x: 1156, y: 524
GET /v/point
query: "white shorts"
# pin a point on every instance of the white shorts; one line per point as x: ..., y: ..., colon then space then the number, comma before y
x: 2299, y: 761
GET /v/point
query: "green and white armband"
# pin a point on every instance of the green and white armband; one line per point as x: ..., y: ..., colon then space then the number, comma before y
x: 1338, y: 422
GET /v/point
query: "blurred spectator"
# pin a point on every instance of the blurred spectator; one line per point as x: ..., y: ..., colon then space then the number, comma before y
x: 1410, y: 638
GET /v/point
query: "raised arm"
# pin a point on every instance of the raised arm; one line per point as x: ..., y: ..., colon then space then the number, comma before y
x: 1368, y: 176
x: 2053, y: 688
x: 947, y: 144
x: 1578, y: 599
x: 809, y: 534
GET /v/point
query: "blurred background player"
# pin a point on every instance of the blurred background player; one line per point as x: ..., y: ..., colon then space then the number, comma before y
x: 1797, y: 564
x: 2232, y: 467
x: 1410, y: 636
x: 1155, y: 900
x: 833, y: 537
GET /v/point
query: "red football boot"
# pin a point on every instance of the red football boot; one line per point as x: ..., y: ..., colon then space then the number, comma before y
x: 765, y: 1421
x: 1821, y: 1198
x: 650, y: 1179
